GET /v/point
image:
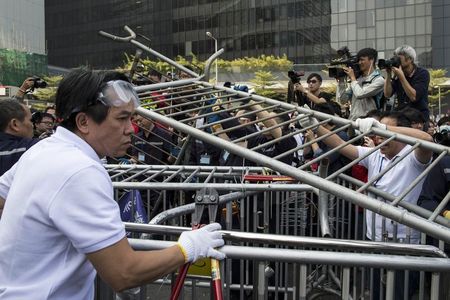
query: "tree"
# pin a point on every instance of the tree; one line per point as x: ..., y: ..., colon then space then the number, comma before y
x: 263, y: 80
x: 437, y: 77
x: 245, y: 64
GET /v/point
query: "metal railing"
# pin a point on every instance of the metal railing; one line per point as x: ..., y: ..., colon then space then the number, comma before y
x: 283, y: 221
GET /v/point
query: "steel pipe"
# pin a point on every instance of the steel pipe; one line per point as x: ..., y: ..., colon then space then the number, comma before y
x: 286, y: 240
x: 395, y: 262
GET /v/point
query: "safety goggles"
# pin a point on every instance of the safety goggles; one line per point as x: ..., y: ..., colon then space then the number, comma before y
x: 117, y: 93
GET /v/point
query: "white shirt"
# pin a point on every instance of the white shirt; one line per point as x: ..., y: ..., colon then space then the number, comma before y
x: 59, y: 206
x: 394, y: 182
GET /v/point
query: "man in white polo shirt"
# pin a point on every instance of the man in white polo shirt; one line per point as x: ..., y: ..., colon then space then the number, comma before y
x: 56, y: 233
x: 396, y: 180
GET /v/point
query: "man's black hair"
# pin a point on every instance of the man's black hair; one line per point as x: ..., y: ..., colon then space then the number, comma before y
x: 374, y: 113
x: 368, y: 52
x: 37, y: 117
x: 79, y: 91
x: 312, y: 75
x: 154, y: 73
x: 49, y: 107
x: 10, y: 109
x: 414, y: 115
x: 399, y: 117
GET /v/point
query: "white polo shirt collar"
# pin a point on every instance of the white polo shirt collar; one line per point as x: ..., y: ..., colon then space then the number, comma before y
x: 69, y: 137
x: 404, y: 149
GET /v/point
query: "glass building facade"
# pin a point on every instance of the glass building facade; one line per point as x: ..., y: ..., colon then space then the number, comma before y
x: 22, y: 41
x: 307, y: 31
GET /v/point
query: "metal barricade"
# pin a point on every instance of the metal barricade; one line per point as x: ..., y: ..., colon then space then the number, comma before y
x: 301, y: 237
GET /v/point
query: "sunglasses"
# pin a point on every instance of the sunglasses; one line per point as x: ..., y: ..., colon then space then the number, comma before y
x: 312, y: 81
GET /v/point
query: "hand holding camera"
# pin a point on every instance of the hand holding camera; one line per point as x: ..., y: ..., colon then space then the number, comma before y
x: 398, y: 71
x: 350, y: 73
x: 299, y: 87
x: 32, y: 83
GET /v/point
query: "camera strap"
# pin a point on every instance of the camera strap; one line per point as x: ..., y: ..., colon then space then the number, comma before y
x: 379, y: 97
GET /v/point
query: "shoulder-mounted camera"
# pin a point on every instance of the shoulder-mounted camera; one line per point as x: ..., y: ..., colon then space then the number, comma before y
x: 345, y: 59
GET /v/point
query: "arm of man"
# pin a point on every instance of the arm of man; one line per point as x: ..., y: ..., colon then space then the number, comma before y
x: 309, y: 95
x: 333, y: 141
x: 269, y: 123
x: 5, y: 183
x: 101, y: 235
x: 122, y: 267
x: 314, y: 98
x: 367, y: 90
x: 423, y: 155
x: 26, y: 85
x: 388, y: 90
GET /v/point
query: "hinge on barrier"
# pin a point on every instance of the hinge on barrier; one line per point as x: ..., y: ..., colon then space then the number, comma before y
x: 205, y: 197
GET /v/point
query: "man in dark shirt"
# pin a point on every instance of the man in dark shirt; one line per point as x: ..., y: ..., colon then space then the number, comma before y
x: 152, y: 144
x: 268, y: 120
x: 336, y: 160
x: 437, y: 183
x: 410, y: 83
x: 16, y: 132
x: 312, y: 95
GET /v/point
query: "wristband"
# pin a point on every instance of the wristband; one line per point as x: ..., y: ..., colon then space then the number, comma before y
x: 186, y: 258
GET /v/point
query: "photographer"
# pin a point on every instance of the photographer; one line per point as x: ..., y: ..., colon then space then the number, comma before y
x: 29, y: 85
x: 365, y: 86
x: 410, y: 82
x: 24, y: 88
x: 312, y: 95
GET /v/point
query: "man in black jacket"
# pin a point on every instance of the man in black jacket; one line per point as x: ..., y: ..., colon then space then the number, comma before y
x: 16, y: 132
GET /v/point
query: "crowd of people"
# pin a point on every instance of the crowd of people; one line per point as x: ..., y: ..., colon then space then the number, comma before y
x: 93, y: 117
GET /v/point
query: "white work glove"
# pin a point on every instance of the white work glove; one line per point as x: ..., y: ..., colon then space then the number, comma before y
x: 306, y: 121
x: 364, y: 125
x: 200, y: 243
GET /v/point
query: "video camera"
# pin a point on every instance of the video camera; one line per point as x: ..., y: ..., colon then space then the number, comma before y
x: 442, y: 137
x: 295, y: 76
x: 389, y: 63
x: 38, y: 83
x: 345, y: 59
